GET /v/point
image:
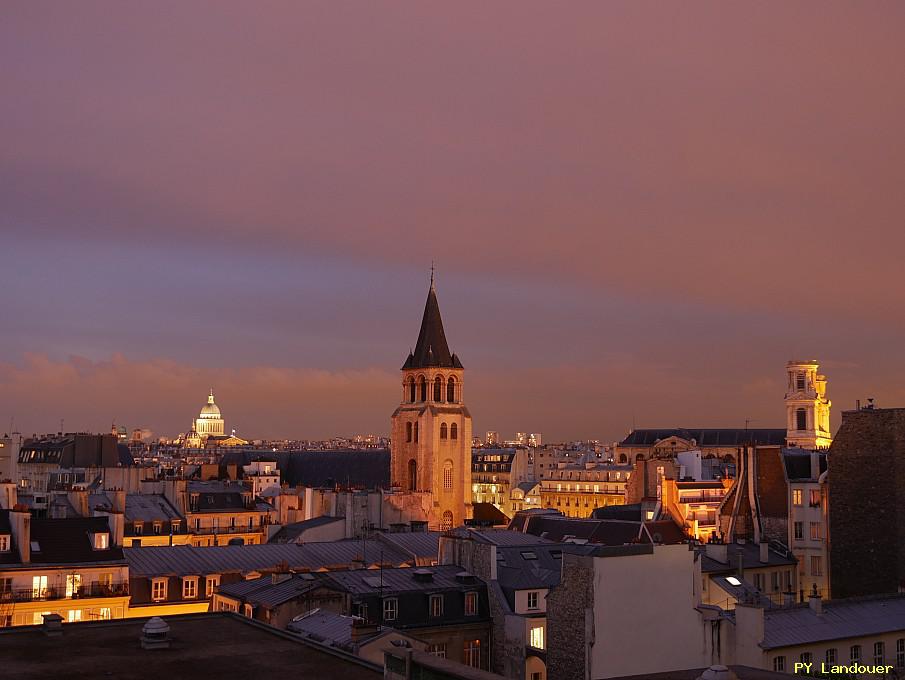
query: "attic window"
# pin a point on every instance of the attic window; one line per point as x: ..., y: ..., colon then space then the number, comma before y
x: 733, y: 581
x: 529, y: 555
x: 100, y: 540
x: 4, y: 542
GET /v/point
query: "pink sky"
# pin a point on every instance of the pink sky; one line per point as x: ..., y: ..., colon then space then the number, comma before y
x: 638, y: 211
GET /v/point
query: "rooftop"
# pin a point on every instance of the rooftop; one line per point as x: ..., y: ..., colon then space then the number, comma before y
x: 69, y: 541
x: 750, y: 553
x: 853, y: 617
x: 212, y: 645
x: 708, y: 436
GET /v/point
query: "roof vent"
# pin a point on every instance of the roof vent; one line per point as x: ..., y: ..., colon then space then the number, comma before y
x: 155, y: 634
x: 465, y: 577
x: 423, y: 575
x: 53, y: 625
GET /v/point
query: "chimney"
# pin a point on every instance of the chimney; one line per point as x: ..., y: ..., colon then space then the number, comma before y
x: 423, y: 575
x: 764, y: 552
x: 9, y: 495
x: 717, y: 551
x: 155, y: 634
x: 118, y: 497
x: 78, y: 498
x: 276, y: 577
x: 52, y: 625
x: 815, y: 602
x: 20, y: 519
x: 117, y: 523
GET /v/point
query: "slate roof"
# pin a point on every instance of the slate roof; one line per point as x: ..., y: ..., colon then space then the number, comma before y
x: 290, y: 532
x: 325, y: 626
x: 422, y: 545
x: 798, y: 463
x: 487, y: 514
x: 630, y: 512
x: 186, y: 560
x: 263, y: 591
x: 386, y: 581
x: 750, y: 559
x: 854, y: 617
x: 368, y: 469
x: 500, y: 537
x: 708, y: 436
x: 140, y: 507
x: 431, y: 349
x: 68, y: 541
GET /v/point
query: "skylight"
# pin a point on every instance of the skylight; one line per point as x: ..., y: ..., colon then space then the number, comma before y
x: 733, y: 581
x: 529, y: 555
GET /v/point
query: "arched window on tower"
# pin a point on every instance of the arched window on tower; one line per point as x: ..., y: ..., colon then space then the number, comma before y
x: 799, y: 383
x: 451, y: 390
x: 447, y: 523
x: 438, y: 389
x: 416, y: 432
x: 453, y: 431
x: 447, y: 475
x: 801, y: 419
x: 410, y: 384
x: 413, y: 475
x: 408, y: 432
x: 442, y: 430
x: 422, y: 388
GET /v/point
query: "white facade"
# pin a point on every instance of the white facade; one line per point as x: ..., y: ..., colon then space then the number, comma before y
x: 807, y: 408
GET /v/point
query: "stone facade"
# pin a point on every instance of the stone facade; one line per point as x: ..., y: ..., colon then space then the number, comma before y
x: 569, y: 631
x: 866, y: 465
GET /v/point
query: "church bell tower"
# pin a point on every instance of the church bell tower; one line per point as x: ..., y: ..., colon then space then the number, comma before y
x: 431, y: 428
x: 807, y: 407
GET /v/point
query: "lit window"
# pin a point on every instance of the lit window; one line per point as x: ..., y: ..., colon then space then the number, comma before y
x: 74, y: 615
x: 211, y: 583
x: 734, y: 581
x: 532, y: 599
x: 537, y: 637
x: 105, y: 613
x: 815, y: 531
x: 472, y: 655
x: 102, y: 541
x: 796, y: 496
x: 73, y: 583
x: 471, y: 604
x: 4, y: 543
x: 390, y: 609
x: 815, y: 497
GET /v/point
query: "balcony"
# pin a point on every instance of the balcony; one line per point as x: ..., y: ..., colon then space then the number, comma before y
x: 209, y: 531
x: 82, y: 592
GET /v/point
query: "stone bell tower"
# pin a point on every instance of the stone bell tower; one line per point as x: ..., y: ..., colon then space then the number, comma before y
x: 807, y: 408
x: 431, y: 428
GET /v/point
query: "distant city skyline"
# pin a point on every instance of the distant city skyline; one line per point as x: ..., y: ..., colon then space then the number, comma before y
x: 638, y: 213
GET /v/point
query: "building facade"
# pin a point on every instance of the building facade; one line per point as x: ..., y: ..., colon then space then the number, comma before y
x: 807, y: 407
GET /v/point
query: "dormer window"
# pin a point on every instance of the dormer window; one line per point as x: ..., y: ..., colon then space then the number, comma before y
x: 138, y: 528
x: 100, y: 540
x: 5, y: 543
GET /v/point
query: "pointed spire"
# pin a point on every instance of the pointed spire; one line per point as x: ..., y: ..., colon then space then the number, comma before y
x: 432, y: 350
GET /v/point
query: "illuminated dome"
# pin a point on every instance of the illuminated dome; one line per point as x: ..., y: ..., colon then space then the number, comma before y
x: 210, y: 410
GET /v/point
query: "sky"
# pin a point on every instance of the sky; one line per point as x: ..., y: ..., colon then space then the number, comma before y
x: 638, y: 211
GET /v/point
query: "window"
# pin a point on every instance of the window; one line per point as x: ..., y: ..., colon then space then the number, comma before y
x: 438, y: 649
x: 453, y: 431
x: 74, y: 615
x: 799, y: 381
x: 471, y: 604
x: 446, y: 524
x: 855, y: 653
x: 451, y: 390
x: 138, y: 528
x: 422, y: 388
x: 759, y: 582
x: 105, y: 613
x: 6, y: 584
x: 157, y: 526
x: 189, y: 587
x: 443, y: 430
x: 831, y: 656
x: 415, y: 431
x: 413, y: 475
x: 801, y: 419
x: 438, y: 389
x: 436, y: 605
x: 211, y: 583
x: 536, y: 638
x: 779, y: 664
x: 39, y: 587
x: 806, y: 657
x: 532, y: 599
x: 815, y: 531
x: 411, y: 389
x: 799, y: 530
x: 774, y: 580
x: 816, y: 566
x: 390, y: 608
x: 814, y: 498
x: 900, y: 652
x: 362, y: 608
x: 447, y: 476
x: 159, y: 589
x: 73, y: 583
x: 796, y: 496
x: 4, y: 543
x: 879, y: 653
x: 408, y: 432
x: 472, y: 655
x: 102, y: 541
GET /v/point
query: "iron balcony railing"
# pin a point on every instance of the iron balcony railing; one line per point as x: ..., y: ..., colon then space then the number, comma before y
x: 61, y: 593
